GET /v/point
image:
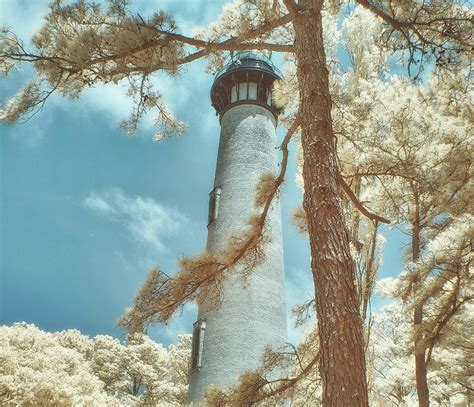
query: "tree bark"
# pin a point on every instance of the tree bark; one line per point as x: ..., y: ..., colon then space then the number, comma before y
x: 419, y: 345
x: 369, y: 274
x: 342, y: 362
x: 420, y: 361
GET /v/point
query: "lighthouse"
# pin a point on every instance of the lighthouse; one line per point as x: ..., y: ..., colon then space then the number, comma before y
x: 231, y: 339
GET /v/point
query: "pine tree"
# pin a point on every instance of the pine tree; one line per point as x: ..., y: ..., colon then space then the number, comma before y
x: 415, y: 157
x: 82, y: 44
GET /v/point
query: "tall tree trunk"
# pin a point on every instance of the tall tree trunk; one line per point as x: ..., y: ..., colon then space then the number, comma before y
x: 420, y: 360
x: 342, y: 364
x: 420, y: 348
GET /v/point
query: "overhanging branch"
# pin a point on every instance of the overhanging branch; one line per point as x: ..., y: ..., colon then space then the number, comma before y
x: 232, y: 42
x: 343, y: 184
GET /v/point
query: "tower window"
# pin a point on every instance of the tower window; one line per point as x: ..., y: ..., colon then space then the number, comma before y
x: 198, y: 339
x: 214, y: 198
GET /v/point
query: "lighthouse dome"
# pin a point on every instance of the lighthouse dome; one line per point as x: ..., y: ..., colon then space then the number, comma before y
x: 246, y: 77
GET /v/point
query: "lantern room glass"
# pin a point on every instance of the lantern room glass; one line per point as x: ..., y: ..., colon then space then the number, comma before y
x: 250, y: 91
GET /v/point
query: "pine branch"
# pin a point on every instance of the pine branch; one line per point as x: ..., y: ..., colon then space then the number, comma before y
x: 347, y: 189
x: 233, y: 42
x: 429, y: 28
x: 292, y: 7
x: 160, y: 298
x: 289, y: 383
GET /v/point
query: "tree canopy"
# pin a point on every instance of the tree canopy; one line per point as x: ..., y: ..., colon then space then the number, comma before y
x: 373, y: 143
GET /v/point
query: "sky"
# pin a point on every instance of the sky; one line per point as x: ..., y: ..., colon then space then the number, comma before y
x: 86, y: 210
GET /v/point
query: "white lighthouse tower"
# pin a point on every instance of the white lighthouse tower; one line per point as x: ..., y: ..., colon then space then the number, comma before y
x: 231, y: 340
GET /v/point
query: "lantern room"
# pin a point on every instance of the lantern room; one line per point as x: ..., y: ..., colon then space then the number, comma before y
x: 247, y: 77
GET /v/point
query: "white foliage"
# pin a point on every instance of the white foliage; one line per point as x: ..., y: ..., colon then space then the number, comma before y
x: 391, y: 362
x: 392, y: 366
x: 68, y: 368
x: 35, y: 369
x: 449, y: 240
x: 387, y: 287
x: 367, y: 57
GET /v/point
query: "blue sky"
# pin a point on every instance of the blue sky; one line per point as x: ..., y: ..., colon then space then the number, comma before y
x: 85, y: 210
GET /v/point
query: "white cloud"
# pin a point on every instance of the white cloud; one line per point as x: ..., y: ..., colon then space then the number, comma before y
x: 148, y: 222
x: 96, y: 202
x: 109, y: 99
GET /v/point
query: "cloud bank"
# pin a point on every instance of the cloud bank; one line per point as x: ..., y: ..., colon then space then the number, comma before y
x: 148, y: 222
